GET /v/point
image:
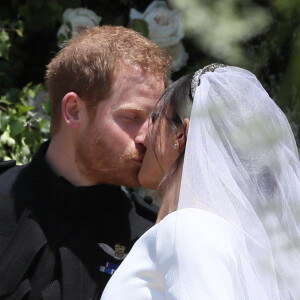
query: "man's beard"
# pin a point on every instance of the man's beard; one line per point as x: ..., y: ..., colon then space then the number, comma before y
x: 100, y: 164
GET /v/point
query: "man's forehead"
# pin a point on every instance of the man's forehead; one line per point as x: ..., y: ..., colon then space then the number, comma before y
x: 125, y: 75
x: 137, y: 91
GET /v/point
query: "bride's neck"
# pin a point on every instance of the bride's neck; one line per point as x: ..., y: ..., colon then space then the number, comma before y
x: 170, y: 195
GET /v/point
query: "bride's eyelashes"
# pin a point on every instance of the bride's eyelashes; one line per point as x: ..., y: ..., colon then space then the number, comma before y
x: 153, y: 117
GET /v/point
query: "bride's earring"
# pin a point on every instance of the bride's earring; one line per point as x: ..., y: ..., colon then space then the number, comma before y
x: 175, y: 146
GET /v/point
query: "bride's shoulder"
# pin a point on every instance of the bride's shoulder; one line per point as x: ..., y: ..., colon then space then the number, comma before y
x: 198, y: 224
x: 196, y: 234
x: 189, y: 217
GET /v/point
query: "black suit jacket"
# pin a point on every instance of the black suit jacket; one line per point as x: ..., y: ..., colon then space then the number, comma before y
x: 50, y: 232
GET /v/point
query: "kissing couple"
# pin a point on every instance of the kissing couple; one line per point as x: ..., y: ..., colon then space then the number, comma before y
x: 214, y: 144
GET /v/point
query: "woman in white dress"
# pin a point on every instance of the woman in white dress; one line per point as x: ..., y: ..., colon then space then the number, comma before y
x: 225, y: 160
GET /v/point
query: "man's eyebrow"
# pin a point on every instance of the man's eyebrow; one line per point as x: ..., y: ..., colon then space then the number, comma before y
x: 132, y: 107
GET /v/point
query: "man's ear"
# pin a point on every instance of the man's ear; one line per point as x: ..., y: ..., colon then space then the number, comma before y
x: 71, y: 105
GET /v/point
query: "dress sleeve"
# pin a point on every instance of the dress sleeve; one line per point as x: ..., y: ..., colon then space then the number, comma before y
x: 198, y: 257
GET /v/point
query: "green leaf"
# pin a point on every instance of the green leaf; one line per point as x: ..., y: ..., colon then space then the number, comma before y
x: 19, y: 32
x: 16, y: 127
x: 4, y: 100
x: 140, y: 26
x: 31, y: 136
x: 20, y: 28
x: 4, y: 120
x: 4, y: 44
x: 4, y: 37
x: 22, y: 109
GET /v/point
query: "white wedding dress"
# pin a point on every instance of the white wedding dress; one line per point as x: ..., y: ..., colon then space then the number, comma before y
x: 208, y: 248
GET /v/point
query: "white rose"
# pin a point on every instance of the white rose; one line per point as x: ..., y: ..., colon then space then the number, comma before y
x: 179, y: 56
x: 165, y: 25
x: 79, y: 19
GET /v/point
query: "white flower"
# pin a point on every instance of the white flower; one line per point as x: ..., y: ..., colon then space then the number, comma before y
x: 179, y: 56
x: 165, y: 25
x: 79, y: 19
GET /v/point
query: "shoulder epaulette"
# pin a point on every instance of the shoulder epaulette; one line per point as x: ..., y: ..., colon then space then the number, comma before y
x: 145, y: 206
x: 5, y: 165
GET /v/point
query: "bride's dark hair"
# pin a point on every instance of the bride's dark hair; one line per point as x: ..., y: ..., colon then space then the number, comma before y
x: 177, y: 101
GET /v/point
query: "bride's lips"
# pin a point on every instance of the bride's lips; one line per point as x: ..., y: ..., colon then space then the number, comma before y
x: 139, y: 159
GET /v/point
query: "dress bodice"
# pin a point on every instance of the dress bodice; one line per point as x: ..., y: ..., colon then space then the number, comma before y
x: 190, y: 254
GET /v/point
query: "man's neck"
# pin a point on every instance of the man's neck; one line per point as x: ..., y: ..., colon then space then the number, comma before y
x: 60, y: 156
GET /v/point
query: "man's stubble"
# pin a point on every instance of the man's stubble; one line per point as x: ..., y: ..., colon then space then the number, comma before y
x: 100, y: 163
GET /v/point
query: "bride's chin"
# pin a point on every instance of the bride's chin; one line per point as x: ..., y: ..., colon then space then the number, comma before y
x: 146, y: 182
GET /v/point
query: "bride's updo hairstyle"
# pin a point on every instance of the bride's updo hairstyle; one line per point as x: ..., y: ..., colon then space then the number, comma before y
x: 174, y: 105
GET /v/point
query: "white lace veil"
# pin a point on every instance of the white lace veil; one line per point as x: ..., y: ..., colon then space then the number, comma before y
x: 241, y: 163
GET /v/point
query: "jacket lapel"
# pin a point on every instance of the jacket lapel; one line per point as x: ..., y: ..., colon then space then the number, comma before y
x: 23, y: 246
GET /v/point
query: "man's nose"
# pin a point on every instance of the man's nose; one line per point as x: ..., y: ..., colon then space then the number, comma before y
x: 141, y: 137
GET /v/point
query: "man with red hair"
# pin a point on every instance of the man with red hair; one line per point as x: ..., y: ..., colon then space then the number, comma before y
x: 65, y: 223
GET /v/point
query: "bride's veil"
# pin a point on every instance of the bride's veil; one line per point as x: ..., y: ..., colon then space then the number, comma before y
x: 241, y: 163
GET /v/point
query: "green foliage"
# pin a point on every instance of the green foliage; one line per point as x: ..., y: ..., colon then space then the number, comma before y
x: 6, y: 28
x: 22, y: 128
x: 4, y: 44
